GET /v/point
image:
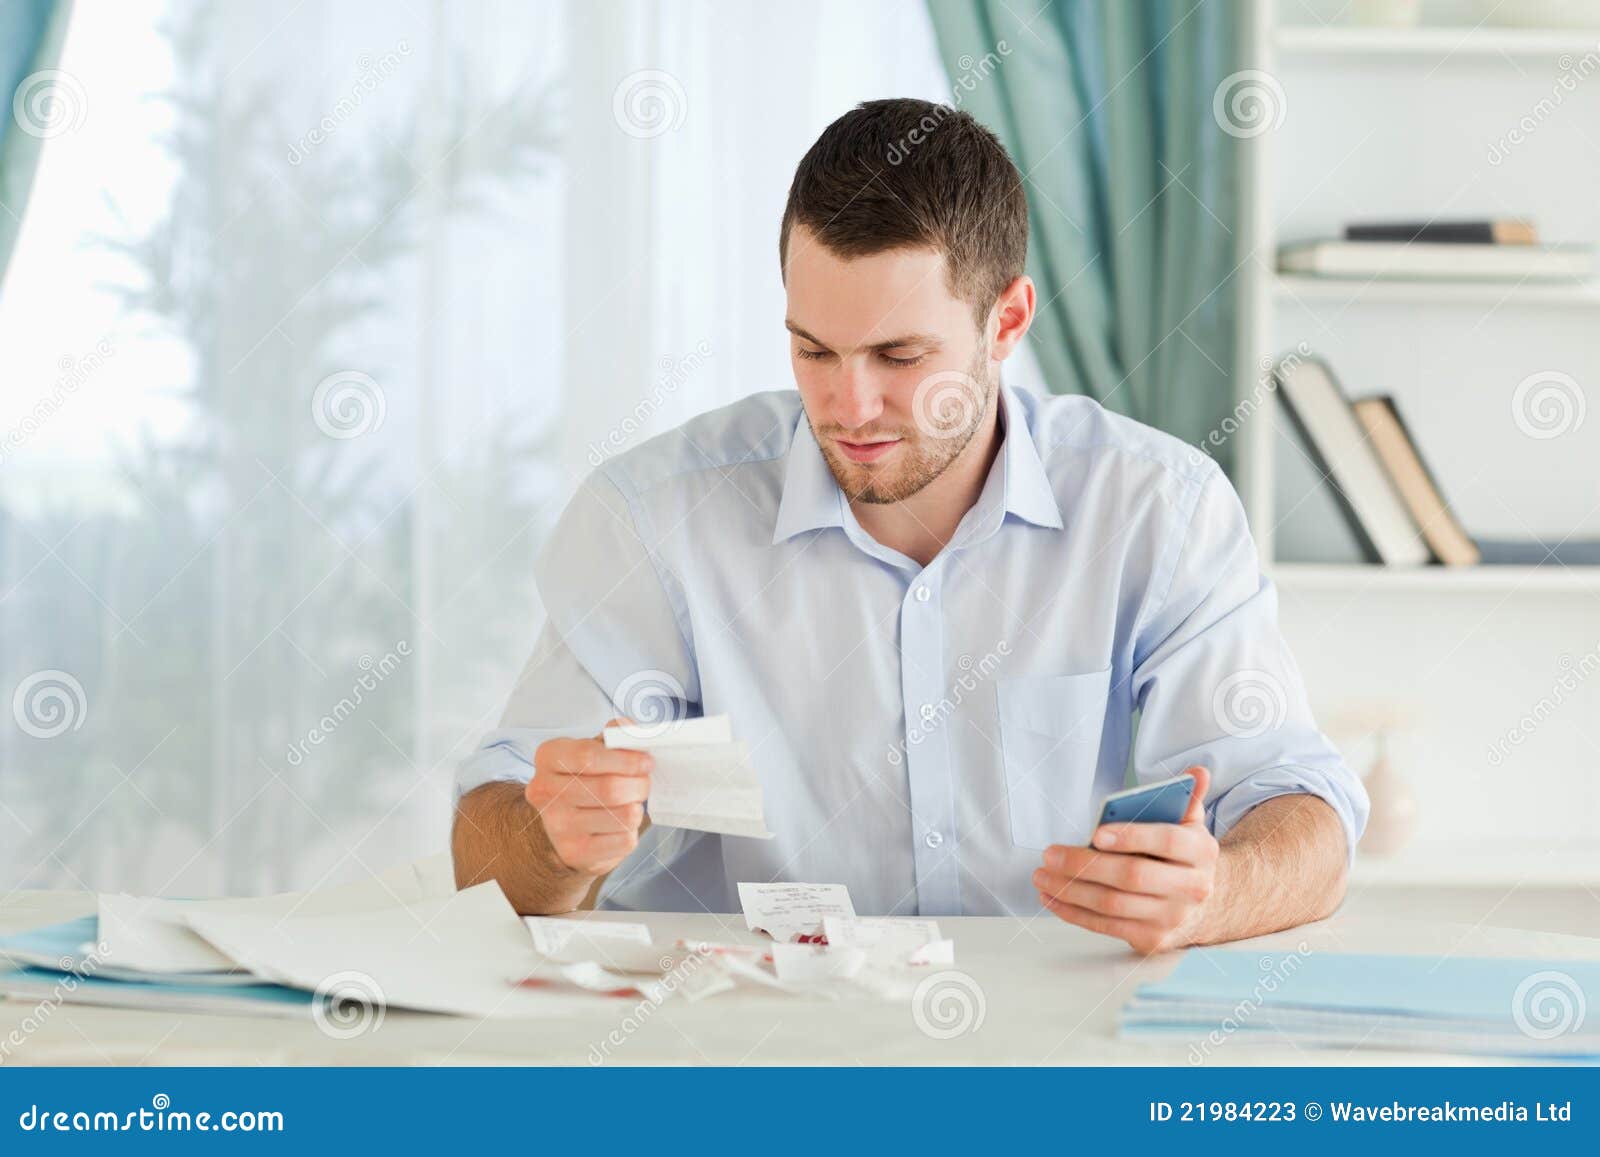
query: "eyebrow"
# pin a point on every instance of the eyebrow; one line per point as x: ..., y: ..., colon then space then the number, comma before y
x: 901, y: 342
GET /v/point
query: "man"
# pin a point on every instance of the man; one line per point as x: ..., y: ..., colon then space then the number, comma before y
x: 932, y: 604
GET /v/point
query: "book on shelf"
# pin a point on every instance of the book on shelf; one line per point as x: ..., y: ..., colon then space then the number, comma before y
x: 1438, y: 261
x: 1341, y: 452
x: 1365, y: 494
x: 1397, y: 450
x: 1505, y: 231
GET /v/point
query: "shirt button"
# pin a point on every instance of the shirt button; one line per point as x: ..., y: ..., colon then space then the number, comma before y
x: 927, y: 710
x: 933, y: 839
x: 923, y: 594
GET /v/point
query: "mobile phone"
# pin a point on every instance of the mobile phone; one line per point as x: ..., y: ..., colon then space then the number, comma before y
x: 1163, y: 802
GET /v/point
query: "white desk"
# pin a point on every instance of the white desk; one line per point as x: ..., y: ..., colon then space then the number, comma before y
x: 1050, y: 993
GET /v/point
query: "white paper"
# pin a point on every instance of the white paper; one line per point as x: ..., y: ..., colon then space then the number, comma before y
x: 150, y: 934
x: 788, y: 911
x: 619, y: 946
x: 807, y: 964
x: 466, y: 953
x: 885, y: 939
x: 706, y: 732
x: 702, y: 778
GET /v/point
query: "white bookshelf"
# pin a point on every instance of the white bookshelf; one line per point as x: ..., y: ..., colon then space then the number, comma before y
x: 1470, y: 648
x: 1437, y: 42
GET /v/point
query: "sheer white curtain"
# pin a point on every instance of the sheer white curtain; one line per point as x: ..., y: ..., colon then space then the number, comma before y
x: 304, y: 357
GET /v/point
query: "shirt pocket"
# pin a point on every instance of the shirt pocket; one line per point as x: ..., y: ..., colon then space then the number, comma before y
x: 1050, y: 729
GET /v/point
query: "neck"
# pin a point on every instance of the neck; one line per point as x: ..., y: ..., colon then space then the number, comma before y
x: 922, y: 525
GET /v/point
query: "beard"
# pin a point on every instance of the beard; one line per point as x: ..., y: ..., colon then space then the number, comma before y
x: 948, y: 410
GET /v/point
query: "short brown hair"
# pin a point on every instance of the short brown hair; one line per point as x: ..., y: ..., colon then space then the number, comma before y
x: 898, y: 174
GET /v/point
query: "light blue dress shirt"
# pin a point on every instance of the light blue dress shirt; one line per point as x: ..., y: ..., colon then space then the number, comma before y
x: 920, y: 733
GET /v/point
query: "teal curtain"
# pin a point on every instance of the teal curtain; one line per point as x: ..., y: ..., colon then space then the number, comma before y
x: 31, y: 32
x: 1107, y: 109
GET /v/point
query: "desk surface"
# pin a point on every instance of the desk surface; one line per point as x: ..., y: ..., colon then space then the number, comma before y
x: 1050, y: 994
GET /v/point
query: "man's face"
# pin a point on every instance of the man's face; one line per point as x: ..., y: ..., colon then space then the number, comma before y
x: 892, y: 369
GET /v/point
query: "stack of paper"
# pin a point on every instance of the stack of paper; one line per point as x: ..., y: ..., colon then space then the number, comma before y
x: 702, y: 778
x: 402, y: 940
x: 1481, y: 1005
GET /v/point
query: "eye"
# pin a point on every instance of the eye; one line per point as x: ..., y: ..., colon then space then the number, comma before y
x: 905, y: 361
x: 810, y: 355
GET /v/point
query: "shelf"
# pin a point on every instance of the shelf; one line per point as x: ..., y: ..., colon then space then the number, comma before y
x: 1514, y: 864
x: 1379, y: 291
x: 1435, y: 41
x: 1355, y: 577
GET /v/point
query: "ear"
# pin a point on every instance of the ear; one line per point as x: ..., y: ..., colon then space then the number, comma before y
x: 1011, y: 317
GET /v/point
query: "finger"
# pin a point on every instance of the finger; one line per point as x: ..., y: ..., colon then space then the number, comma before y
x: 1130, y: 873
x: 604, y: 791
x: 1182, y: 843
x: 586, y: 757
x: 608, y: 821
x: 1104, y: 900
x: 1096, y: 922
x: 1196, y: 811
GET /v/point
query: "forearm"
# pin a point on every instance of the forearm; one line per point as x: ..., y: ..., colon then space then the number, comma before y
x: 1282, y: 865
x: 498, y: 836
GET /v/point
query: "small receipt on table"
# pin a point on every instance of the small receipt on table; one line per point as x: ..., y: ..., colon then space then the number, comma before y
x: 786, y: 912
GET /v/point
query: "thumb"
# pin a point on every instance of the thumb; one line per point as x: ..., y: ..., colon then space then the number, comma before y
x: 619, y: 721
x: 1196, y: 812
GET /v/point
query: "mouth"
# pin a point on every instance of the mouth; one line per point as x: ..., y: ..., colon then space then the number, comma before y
x: 866, y: 451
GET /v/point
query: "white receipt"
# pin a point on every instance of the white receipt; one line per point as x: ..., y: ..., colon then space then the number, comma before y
x: 616, y: 946
x: 787, y: 912
x: 702, y: 778
x: 886, y: 939
x: 802, y: 964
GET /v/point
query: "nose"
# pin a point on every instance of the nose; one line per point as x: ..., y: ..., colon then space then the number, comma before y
x: 856, y: 399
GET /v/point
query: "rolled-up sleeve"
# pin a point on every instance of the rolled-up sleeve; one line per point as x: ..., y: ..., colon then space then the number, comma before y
x: 1214, y: 681
x: 613, y: 644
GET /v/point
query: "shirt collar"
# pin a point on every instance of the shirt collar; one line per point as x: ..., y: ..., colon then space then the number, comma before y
x: 812, y: 498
